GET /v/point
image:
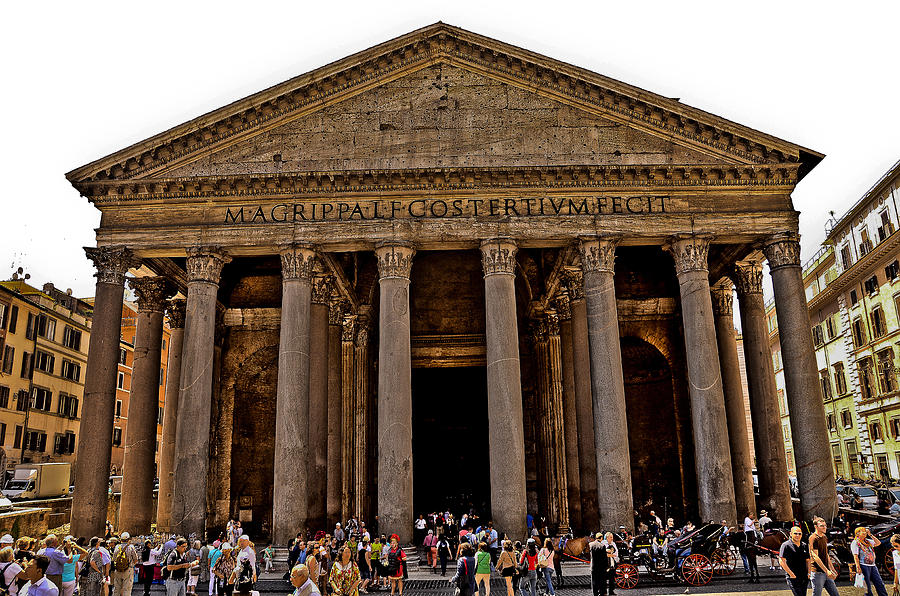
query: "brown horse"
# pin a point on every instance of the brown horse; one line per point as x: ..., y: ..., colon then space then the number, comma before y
x: 575, y: 547
x: 771, y: 542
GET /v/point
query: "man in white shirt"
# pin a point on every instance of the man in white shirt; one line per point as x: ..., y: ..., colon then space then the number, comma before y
x: 764, y: 519
x: 38, y: 584
x: 246, y: 549
x: 303, y: 585
x: 10, y: 573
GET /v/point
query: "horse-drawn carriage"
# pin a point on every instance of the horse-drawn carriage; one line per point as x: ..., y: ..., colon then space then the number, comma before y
x: 693, y: 558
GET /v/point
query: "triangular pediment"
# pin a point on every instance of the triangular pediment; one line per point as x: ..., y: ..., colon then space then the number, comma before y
x: 442, y: 97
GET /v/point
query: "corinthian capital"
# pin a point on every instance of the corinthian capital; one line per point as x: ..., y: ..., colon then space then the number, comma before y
x: 112, y: 263
x: 598, y: 253
x: 394, y: 260
x: 783, y: 250
x: 722, y: 299
x: 336, y: 310
x: 348, y: 331
x: 498, y: 256
x: 748, y: 277
x: 563, y: 307
x: 297, y: 262
x: 690, y: 252
x: 204, y: 263
x: 152, y: 293
x: 175, y: 312
x: 321, y: 289
x: 575, y: 284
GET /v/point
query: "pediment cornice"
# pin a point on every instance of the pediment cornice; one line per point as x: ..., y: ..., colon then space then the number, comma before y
x: 440, y: 43
x: 441, y: 179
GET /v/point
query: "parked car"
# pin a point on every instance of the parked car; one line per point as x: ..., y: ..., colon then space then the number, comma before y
x: 869, y: 495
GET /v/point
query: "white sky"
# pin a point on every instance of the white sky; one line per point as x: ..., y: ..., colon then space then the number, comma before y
x: 84, y: 79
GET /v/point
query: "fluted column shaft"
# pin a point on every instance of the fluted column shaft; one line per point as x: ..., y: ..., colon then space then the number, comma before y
x: 812, y: 454
x: 715, y: 484
x: 318, y: 401
x: 395, y: 463
x: 362, y: 418
x: 546, y: 471
x: 95, y: 443
x: 741, y: 461
x: 614, y: 503
x: 204, y: 268
x: 771, y: 463
x: 348, y: 412
x: 176, y: 312
x: 291, y: 493
x: 335, y: 423
x: 570, y: 430
x: 557, y: 439
x: 507, y: 432
x: 136, y: 504
x: 584, y: 407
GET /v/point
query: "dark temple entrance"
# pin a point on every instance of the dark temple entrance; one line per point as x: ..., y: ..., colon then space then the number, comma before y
x: 451, y: 469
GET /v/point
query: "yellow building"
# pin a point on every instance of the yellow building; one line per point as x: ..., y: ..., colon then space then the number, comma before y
x: 44, y: 352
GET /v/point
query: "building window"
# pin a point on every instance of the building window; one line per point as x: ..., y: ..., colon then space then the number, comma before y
x: 830, y: 326
x: 825, y: 379
x: 35, y: 441
x: 162, y: 376
x: 886, y: 376
x: 886, y: 228
x: 17, y: 440
x: 72, y: 338
x: 853, y: 458
x: 159, y: 416
x: 29, y: 327
x: 47, y: 327
x: 2, y: 433
x: 892, y: 271
x: 22, y: 400
x: 41, y: 398
x: 27, y: 365
x: 62, y: 407
x: 853, y: 298
x: 831, y: 422
x: 120, y: 382
x: 4, y: 397
x: 9, y: 354
x: 846, y: 259
x: 846, y: 419
x: 865, y: 244
x: 71, y: 370
x: 64, y: 443
x: 894, y: 426
x: 163, y: 345
x: 866, y: 378
x: 13, y: 318
x: 73, y: 406
x: 776, y: 360
x: 836, y: 457
x: 875, y: 432
x: 871, y: 285
x: 123, y: 356
x: 786, y: 431
x: 118, y: 408
x: 117, y: 437
x: 859, y: 333
x: 782, y: 402
x: 789, y: 456
x: 881, y: 466
x: 840, y: 380
x: 818, y: 337
x: 879, y: 326
x: 3, y: 316
x: 44, y: 361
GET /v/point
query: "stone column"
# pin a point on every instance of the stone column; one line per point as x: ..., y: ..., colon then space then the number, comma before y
x: 507, y: 433
x: 348, y: 410
x: 136, y: 504
x: 771, y: 462
x: 715, y: 484
x: 584, y: 403
x: 334, y: 480
x: 741, y: 461
x: 546, y: 471
x: 166, y: 474
x: 557, y: 439
x: 318, y: 400
x: 95, y: 443
x: 361, y: 353
x: 290, y: 504
x: 395, y: 472
x: 801, y: 377
x: 615, y: 503
x: 204, y: 267
x: 570, y: 430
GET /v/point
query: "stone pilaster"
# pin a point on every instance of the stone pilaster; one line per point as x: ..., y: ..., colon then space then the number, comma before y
x: 507, y: 433
x: 615, y: 504
x: 166, y: 473
x: 204, y: 268
x: 136, y: 505
x: 395, y: 464
x: 741, y: 460
x: 774, y: 491
x: 334, y: 482
x: 318, y: 399
x: 715, y: 484
x: 557, y: 438
x: 810, y: 436
x: 584, y: 406
x: 95, y: 443
x: 348, y: 410
x: 361, y: 350
x: 570, y: 424
x: 290, y: 501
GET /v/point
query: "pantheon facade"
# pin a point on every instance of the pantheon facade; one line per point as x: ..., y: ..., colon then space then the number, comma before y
x: 447, y: 272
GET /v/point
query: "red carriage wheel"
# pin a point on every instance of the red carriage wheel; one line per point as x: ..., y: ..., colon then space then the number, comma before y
x: 697, y: 570
x: 626, y: 576
x: 723, y: 561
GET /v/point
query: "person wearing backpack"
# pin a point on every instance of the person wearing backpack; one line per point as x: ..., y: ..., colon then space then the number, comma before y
x: 443, y: 552
x: 243, y: 575
x: 124, y: 558
x: 175, y: 569
x: 10, y: 571
x: 464, y: 580
x: 90, y: 578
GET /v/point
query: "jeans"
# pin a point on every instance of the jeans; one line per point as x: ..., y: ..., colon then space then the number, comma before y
x: 798, y: 585
x: 528, y: 584
x: 175, y: 587
x: 548, y: 577
x: 873, y: 578
x: 821, y: 580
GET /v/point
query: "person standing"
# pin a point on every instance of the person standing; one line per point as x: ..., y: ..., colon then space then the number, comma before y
x: 344, y: 576
x: 493, y: 542
x: 396, y: 560
x: 194, y: 554
x: 419, y: 530
x: 303, y: 582
x: 38, y: 582
x: 364, y: 562
x: 464, y: 580
x: 10, y: 571
x: 178, y: 568
x: 863, y: 549
x: 764, y: 520
x: 823, y: 572
x: 58, y: 557
x: 794, y: 558
x: 483, y: 570
x: 599, y: 564
x: 243, y: 576
x: 506, y: 565
x: 895, y: 555
x: 750, y: 526
x: 204, y: 562
x: 443, y: 553
x: 214, y: 553
x: 545, y: 565
x: 528, y: 561
x: 124, y: 557
x: 222, y: 569
x: 90, y: 582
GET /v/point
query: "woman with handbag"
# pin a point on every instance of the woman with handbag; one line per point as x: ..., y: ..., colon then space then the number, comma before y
x: 506, y: 565
x: 465, y: 571
x: 90, y: 581
x: 863, y: 549
x: 545, y: 564
x: 528, y: 568
x: 483, y: 570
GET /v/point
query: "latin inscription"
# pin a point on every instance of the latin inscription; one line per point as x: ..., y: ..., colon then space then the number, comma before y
x: 439, y: 208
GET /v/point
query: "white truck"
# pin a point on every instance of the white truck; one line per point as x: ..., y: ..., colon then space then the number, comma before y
x: 38, y: 481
